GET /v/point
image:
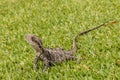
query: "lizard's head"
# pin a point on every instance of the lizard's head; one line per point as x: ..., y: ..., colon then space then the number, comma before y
x: 34, y: 41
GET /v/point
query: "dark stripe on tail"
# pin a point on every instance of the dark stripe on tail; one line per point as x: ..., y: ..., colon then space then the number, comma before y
x: 84, y: 32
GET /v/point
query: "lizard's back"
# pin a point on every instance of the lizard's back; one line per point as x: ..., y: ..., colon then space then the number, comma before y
x: 55, y: 55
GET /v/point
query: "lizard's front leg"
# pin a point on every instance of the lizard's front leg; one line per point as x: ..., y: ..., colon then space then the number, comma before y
x: 35, y: 62
x: 46, y: 64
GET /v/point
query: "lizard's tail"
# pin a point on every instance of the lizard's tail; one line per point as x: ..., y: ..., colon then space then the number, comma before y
x: 89, y: 30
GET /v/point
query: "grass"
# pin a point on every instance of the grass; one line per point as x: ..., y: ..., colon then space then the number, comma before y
x: 56, y: 22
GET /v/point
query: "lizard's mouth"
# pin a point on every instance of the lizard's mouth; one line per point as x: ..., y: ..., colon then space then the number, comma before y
x: 28, y: 38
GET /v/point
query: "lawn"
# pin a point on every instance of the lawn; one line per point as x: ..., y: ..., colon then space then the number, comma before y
x: 56, y: 22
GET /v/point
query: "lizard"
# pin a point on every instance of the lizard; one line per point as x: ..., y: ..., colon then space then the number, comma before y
x: 50, y: 56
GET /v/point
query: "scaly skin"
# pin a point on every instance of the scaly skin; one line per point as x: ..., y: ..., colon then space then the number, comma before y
x: 58, y: 55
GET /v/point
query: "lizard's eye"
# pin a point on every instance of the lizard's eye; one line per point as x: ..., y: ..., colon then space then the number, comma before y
x: 32, y: 38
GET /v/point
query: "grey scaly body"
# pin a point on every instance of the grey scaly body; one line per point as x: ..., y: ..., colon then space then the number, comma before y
x: 51, y: 56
